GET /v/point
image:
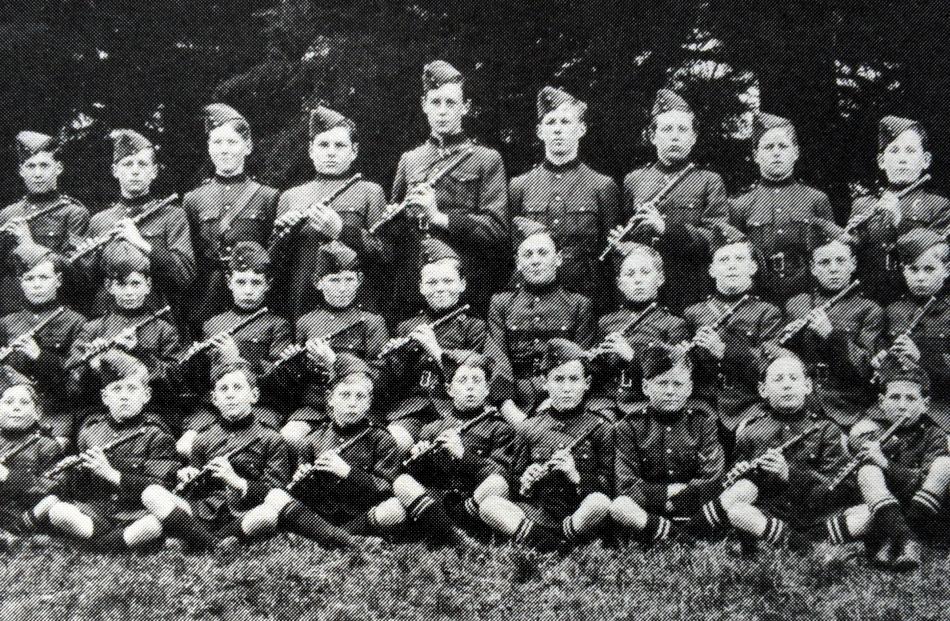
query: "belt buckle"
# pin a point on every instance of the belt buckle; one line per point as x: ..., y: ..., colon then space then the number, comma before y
x: 890, y: 261
x: 821, y: 372
x: 625, y: 382
x: 777, y: 262
x: 426, y: 379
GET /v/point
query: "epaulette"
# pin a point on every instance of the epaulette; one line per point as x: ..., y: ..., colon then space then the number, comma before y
x: 745, y: 422
x: 70, y: 199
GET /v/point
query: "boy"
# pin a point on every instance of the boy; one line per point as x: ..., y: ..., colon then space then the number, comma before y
x: 777, y: 213
x: 103, y: 506
x: 450, y: 471
x: 221, y: 484
x: 521, y: 321
x: 679, y: 226
x: 334, y: 146
x: 577, y: 203
x: 668, y: 458
x: 562, y: 489
x: 904, y: 156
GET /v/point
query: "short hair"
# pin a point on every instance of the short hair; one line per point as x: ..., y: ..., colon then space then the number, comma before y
x: 650, y: 129
x: 783, y: 354
x: 643, y: 250
x: 455, y: 263
x: 241, y: 126
x: 354, y: 378
x: 350, y: 127
x: 240, y: 366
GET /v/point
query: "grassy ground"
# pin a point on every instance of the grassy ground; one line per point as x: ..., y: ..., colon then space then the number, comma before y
x: 282, y: 579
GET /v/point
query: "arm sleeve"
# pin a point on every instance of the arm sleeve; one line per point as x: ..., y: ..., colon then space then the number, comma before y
x: 486, y: 228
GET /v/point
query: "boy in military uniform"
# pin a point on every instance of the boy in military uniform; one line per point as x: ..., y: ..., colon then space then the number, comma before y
x: 904, y: 156
x: 461, y: 459
x: 342, y: 487
x: 562, y: 464
x: 777, y: 214
x: 836, y: 342
x: 468, y: 208
x: 521, y: 321
x: 60, y: 226
x: 578, y: 204
x: 411, y: 374
x: 228, y: 208
x: 99, y: 500
x: 668, y: 458
x: 164, y: 236
x: 303, y: 225
x: 233, y: 464
x: 339, y: 325
x: 678, y: 225
x: 615, y: 361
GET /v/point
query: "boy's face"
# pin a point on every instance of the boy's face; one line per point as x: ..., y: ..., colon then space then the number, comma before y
x: 18, y: 408
x: 445, y: 107
x: 904, y: 160
x: 538, y: 259
x: 228, y: 150
x: 350, y: 401
x: 903, y: 399
x: 785, y: 386
x: 832, y: 265
x: 41, y: 283
x: 248, y: 289
x: 130, y: 292
x: 639, y: 279
x: 136, y: 172
x: 926, y: 275
x: 468, y: 388
x: 561, y: 130
x: 567, y: 385
x: 126, y: 397
x: 776, y: 155
x: 41, y: 173
x: 674, y: 137
x: 333, y: 151
x: 441, y: 285
x: 668, y: 392
x: 234, y: 396
x: 732, y: 268
x: 340, y: 289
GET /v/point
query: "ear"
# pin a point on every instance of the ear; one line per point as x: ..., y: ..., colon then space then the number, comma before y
x: 763, y: 391
x: 880, y: 161
x: 588, y: 380
x: 466, y: 107
x: 58, y: 168
x: 808, y: 385
x: 582, y: 130
x: 928, y: 159
x: 463, y: 286
x: 661, y: 279
x: 359, y: 277
x: 255, y: 395
x: 559, y: 258
x: 115, y: 171
x: 356, y: 149
x: 148, y: 393
x: 537, y: 131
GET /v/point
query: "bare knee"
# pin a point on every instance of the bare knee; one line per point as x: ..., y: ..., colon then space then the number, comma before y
x: 295, y: 431
x: 402, y: 437
x: 407, y: 489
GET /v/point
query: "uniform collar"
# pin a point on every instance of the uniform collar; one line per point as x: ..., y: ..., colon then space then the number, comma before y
x: 244, y: 422
x: 468, y: 414
x: 789, y: 417
x: 129, y: 313
x: 897, y: 187
x: 573, y: 164
x: 232, y: 180
x: 351, y: 429
x: 138, y: 201
x: 16, y: 435
x: 731, y: 298
x: 245, y: 312
x: 781, y: 183
x: 38, y: 309
x: 668, y: 169
x: 665, y: 417
x: 334, y: 177
x: 539, y: 290
x: 636, y: 307
x: 452, y: 140
x: 42, y: 197
x: 567, y: 415
x: 128, y: 423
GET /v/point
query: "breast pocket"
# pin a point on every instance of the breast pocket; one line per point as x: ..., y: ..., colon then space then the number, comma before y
x: 681, y: 210
x: 580, y: 224
x: 249, y: 225
x: 48, y: 232
x: 352, y: 215
x: 255, y: 349
x: 685, y: 455
x: 917, y: 215
x: 459, y: 192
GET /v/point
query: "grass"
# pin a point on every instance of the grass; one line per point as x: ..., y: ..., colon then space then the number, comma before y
x: 293, y: 579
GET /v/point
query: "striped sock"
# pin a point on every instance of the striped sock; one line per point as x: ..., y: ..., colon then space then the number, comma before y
x: 471, y: 507
x: 567, y: 527
x: 922, y: 509
x: 775, y: 531
x: 837, y: 530
x: 418, y: 506
x: 523, y: 531
x: 709, y: 519
x: 927, y: 500
x: 657, y: 528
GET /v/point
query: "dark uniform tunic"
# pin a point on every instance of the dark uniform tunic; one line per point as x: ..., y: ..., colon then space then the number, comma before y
x: 579, y: 206
x: 520, y: 323
x: 618, y: 383
x: 731, y: 384
x: 878, y: 266
x: 359, y: 207
x: 223, y: 211
x: 59, y: 230
x: 691, y: 208
x: 930, y: 336
x: 777, y: 217
x: 172, y: 257
x: 813, y: 463
x: 554, y: 497
x: 656, y: 449
x: 474, y: 196
x: 373, y: 460
x: 24, y: 487
x: 840, y: 366
x: 264, y: 465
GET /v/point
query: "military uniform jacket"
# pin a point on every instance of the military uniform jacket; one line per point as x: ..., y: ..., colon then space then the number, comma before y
x: 777, y: 217
x: 373, y: 460
x: 913, y: 448
x: 541, y: 435
x: 520, y: 322
x: 931, y: 339
x: 474, y: 196
x: 172, y: 257
x: 877, y: 263
x: 697, y: 203
x: 222, y: 212
x: 840, y: 365
x: 59, y: 230
x: 580, y: 207
x: 410, y: 378
x: 488, y: 448
x: 657, y: 449
x: 24, y: 485
x: 619, y: 383
x: 264, y: 465
x: 359, y: 207
x: 731, y: 384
